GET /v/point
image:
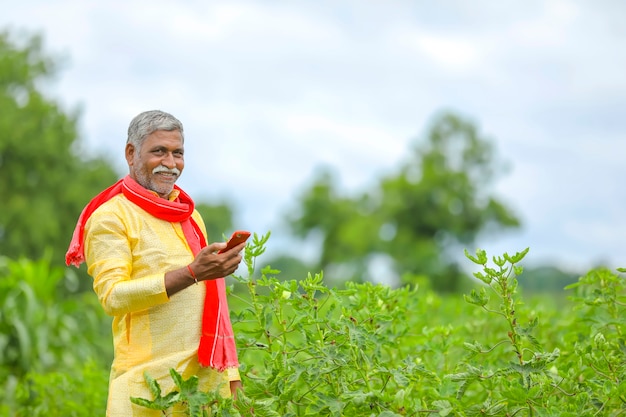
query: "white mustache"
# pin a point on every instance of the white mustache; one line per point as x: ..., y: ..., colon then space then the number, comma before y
x: 161, y: 168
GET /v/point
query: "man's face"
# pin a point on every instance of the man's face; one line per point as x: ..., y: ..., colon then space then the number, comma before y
x: 159, y: 162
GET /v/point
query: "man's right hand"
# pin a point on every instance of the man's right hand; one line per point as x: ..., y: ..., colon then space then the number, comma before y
x: 211, y: 265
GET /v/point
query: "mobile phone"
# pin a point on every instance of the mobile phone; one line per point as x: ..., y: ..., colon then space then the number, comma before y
x: 236, y: 238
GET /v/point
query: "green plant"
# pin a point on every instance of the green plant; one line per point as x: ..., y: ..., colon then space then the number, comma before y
x: 371, y: 350
x: 79, y: 392
x: 508, y: 384
x: 194, y: 403
x: 312, y: 350
x: 316, y: 351
x: 597, y: 361
x: 44, y: 325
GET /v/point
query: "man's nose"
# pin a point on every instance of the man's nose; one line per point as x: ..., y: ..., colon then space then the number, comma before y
x: 169, y: 161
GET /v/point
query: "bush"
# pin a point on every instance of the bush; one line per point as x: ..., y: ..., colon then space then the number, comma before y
x: 363, y: 350
x: 46, y: 327
x: 77, y: 393
x: 369, y: 350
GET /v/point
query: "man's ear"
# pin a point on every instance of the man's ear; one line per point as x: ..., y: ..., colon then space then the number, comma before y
x: 130, y: 153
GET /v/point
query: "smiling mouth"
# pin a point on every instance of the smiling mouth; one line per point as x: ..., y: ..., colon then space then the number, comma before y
x: 167, y: 175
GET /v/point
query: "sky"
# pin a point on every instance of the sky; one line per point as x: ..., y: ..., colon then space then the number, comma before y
x: 270, y: 91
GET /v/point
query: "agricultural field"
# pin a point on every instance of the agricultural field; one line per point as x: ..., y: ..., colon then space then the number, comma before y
x: 360, y: 350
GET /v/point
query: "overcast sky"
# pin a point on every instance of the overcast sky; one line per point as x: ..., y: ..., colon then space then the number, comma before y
x: 269, y: 91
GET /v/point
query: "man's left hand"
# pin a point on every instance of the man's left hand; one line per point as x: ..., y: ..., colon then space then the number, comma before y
x: 234, y: 387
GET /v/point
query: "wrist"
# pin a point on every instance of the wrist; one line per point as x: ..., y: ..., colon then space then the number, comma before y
x: 192, y: 274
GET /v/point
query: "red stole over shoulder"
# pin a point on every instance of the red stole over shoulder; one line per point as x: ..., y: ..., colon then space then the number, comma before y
x: 217, y: 344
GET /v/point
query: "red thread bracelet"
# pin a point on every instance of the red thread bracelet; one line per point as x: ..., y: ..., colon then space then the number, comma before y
x: 192, y: 274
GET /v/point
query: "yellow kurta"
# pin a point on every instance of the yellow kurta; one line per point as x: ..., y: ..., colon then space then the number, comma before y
x: 128, y: 252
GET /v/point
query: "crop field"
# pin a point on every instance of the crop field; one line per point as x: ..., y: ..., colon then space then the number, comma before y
x: 362, y: 350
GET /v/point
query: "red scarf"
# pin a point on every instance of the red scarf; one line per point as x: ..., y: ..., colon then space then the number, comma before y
x: 217, y: 344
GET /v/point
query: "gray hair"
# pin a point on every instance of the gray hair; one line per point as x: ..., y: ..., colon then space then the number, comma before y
x: 148, y: 122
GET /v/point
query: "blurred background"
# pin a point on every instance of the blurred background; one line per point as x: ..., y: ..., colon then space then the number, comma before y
x: 375, y: 140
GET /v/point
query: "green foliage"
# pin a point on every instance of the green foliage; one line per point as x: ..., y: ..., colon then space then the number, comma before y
x: 440, y: 198
x: 218, y: 219
x: 322, y: 351
x: 318, y: 351
x: 370, y: 350
x: 583, y: 374
x: 344, y: 225
x: 598, y: 335
x: 42, y: 330
x: 75, y: 392
x: 546, y: 280
x: 196, y: 403
x: 45, y: 179
x: 524, y: 378
x: 310, y: 350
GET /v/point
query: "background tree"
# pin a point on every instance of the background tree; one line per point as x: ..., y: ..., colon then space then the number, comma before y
x: 344, y: 225
x: 218, y: 219
x: 45, y: 178
x: 440, y: 199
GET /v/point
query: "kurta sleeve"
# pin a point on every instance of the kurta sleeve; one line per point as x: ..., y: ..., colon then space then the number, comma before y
x: 109, y: 258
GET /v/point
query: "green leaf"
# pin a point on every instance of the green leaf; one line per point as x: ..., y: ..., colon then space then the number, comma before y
x: 478, y: 299
x: 519, y: 256
x: 474, y: 347
x: 487, y: 279
x: 479, y: 259
x: 158, y: 403
x: 153, y: 385
x: 444, y: 407
x: 400, y: 377
x: 500, y: 261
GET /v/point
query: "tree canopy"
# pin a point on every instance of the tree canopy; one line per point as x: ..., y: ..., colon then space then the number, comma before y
x: 45, y: 180
x: 218, y: 219
x: 440, y: 198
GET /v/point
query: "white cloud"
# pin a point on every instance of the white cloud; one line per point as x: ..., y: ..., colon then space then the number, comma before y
x: 550, y: 27
x: 455, y: 54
